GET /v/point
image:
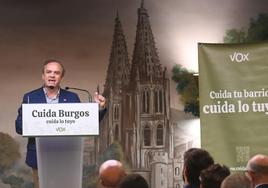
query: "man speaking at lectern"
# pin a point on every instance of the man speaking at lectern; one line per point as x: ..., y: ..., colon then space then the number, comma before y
x: 52, y: 74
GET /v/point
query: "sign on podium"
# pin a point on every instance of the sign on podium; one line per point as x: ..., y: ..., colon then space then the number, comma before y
x: 62, y: 119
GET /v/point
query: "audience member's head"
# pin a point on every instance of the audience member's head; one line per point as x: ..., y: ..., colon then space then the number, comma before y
x: 195, y: 160
x: 257, y: 169
x: 213, y: 176
x: 236, y: 181
x: 133, y: 181
x: 111, y: 173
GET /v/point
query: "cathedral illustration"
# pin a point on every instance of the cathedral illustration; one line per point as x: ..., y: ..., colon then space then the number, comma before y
x: 138, y: 102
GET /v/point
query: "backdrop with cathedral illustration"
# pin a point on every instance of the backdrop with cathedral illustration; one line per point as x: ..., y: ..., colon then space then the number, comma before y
x: 128, y: 48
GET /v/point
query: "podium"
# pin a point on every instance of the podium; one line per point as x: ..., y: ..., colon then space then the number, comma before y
x: 59, y: 130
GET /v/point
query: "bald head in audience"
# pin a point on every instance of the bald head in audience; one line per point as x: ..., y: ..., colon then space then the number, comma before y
x: 236, y: 181
x: 257, y: 171
x: 111, y: 172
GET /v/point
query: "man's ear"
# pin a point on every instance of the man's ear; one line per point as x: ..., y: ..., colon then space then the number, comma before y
x: 249, y: 175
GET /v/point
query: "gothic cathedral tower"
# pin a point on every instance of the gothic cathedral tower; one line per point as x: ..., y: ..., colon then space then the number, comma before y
x: 138, y: 105
x: 116, y: 83
x: 149, y: 88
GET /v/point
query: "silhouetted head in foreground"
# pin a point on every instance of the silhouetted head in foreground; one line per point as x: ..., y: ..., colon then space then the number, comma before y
x: 133, y: 181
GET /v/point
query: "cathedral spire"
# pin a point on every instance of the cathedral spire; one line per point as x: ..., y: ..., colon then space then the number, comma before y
x: 145, y: 56
x: 118, y: 68
x: 117, y: 15
x: 142, y: 3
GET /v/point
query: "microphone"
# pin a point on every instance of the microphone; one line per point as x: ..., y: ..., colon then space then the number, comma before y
x: 88, y: 93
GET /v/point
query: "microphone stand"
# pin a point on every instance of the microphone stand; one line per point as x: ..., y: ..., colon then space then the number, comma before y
x: 84, y: 90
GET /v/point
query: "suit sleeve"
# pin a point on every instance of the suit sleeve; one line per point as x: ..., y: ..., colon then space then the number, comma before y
x: 77, y: 99
x: 18, y: 121
x: 102, y: 113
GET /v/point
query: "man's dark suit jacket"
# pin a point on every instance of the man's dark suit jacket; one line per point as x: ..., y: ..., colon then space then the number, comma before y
x: 191, y: 186
x: 262, y: 186
x: 38, y: 96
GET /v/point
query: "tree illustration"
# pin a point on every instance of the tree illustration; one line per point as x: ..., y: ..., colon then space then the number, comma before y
x: 187, y: 87
x: 9, y: 151
x: 257, y: 31
x: 14, y: 181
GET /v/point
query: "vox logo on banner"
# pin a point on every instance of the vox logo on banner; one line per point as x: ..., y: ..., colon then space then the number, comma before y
x: 233, y: 101
x: 239, y: 57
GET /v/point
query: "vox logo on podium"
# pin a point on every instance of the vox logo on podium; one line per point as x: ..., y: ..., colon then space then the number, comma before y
x: 60, y: 129
x: 239, y: 57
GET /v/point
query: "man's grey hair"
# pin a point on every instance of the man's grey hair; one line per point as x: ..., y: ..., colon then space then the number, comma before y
x: 257, y: 168
x: 54, y: 61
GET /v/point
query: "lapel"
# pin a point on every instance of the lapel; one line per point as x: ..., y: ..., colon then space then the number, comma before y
x: 63, y: 96
x: 41, y: 98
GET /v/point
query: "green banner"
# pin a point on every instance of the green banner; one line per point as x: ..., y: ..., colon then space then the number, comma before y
x: 233, y: 81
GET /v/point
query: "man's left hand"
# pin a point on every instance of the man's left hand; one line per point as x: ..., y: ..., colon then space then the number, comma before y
x: 100, y: 99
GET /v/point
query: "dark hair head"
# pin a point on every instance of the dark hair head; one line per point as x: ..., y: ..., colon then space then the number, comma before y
x: 54, y: 61
x: 195, y: 160
x: 213, y: 176
x: 133, y: 181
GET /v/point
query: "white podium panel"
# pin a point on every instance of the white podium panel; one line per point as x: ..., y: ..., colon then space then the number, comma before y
x: 62, y: 119
x: 60, y: 162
